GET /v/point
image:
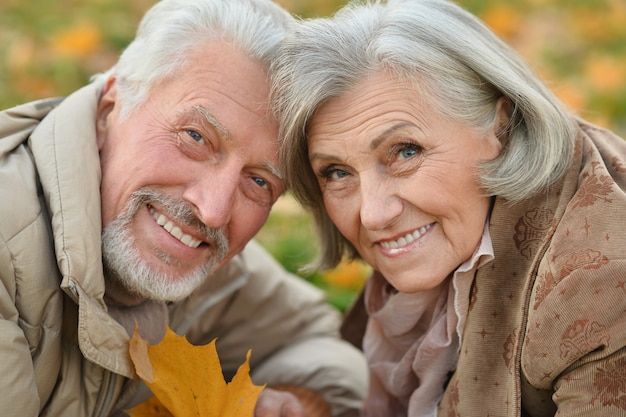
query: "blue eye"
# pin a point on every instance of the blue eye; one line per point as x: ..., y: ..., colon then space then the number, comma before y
x: 407, y: 152
x: 337, y: 174
x: 195, y: 136
x: 260, y: 181
x: 331, y: 172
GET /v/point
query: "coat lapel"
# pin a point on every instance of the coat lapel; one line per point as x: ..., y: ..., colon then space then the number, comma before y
x: 487, y: 381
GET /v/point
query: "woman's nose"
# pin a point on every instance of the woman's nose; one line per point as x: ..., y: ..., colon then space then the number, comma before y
x: 380, y: 206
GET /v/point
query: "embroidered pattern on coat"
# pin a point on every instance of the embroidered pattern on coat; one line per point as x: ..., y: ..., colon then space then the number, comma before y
x: 618, y: 164
x: 453, y: 399
x: 584, y: 259
x: 530, y: 230
x: 594, y: 187
x: 546, y: 283
x: 582, y: 337
x: 509, y: 352
x: 610, y: 385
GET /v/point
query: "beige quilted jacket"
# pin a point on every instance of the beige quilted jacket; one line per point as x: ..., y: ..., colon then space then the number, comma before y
x: 62, y: 354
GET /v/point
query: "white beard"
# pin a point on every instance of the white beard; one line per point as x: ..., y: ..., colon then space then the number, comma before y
x: 123, y: 263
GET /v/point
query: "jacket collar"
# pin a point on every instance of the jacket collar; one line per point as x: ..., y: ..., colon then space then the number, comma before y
x: 501, y: 292
x: 65, y: 151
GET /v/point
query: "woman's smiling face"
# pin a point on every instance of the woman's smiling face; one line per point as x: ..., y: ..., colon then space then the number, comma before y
x: 399, y: 180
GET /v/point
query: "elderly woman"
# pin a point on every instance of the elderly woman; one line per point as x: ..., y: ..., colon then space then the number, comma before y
x: 493, y: 218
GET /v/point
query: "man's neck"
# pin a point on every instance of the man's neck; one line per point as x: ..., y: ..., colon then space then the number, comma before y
x: 115, y: 294
x: 130, y: 310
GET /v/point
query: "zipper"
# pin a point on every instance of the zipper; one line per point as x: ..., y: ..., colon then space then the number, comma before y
x: 110, y: 380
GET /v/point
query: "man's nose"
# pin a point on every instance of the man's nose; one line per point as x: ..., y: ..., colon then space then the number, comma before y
x: 213, y: 196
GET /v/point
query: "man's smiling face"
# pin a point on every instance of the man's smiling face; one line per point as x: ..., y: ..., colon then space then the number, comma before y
x: 189, y: 177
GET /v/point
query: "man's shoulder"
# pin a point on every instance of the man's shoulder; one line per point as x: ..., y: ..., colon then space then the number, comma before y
x: 19, y: 192
x: 35, y: 110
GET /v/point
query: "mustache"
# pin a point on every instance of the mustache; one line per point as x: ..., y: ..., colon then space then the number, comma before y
x: 177, y: 210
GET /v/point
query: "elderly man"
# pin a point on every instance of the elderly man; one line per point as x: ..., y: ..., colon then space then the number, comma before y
x: 134, y: 200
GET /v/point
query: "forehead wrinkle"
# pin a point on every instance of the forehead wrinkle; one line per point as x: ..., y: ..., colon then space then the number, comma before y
x: 380, y: 138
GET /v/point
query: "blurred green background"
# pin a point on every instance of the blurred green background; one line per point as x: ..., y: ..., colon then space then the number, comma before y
x: 52, y: 47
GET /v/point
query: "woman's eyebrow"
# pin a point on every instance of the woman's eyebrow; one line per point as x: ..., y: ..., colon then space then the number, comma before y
x: 380, y: 138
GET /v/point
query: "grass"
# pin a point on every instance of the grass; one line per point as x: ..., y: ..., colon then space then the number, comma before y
x: 289, y: 235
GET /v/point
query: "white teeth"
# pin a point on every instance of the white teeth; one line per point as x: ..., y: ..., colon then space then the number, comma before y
x: 174, y: 230
x: 406, y: 239
x: 160, y: 219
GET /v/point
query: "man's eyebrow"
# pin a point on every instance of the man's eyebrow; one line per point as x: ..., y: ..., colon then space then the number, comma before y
x: 204, y: 113
x: 377, y: 141
x: 275, y: 171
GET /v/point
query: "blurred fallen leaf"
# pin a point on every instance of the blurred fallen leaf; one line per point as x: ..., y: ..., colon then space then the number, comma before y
x: 606, y: 73
x: 77, y: 41
x: 348, y: 274
x: 503, y: 19
x: 187, y: 380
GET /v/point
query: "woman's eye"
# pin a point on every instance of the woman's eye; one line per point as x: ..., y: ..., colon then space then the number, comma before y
x: 195, y: 136
x: 338, y: 174
x: 407, y: 151
x: 334, y: 173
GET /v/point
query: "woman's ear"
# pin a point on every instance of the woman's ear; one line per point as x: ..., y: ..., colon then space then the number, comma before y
x: 504, y: 114
x: 106, y: 104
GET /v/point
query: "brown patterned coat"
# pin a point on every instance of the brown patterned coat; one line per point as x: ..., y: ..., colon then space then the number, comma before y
x: 546, y: 328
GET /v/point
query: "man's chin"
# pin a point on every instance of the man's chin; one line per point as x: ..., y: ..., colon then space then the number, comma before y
x: 168, y: 289
x: 139, y: 281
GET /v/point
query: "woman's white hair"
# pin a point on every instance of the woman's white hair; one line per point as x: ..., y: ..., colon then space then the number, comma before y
x: 173, y: 28
x: 449, y: 55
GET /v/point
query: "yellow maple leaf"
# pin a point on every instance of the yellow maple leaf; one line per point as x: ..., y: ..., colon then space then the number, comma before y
x: 150, y: 408
x: 187, y: 380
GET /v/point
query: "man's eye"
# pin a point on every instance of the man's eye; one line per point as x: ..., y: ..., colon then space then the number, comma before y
x: 260, y: 181
x: 195, y: 136
x: 259, y: 190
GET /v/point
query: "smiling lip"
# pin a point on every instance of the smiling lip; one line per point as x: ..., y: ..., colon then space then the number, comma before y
x: 174, y: 230
x: 406, y: 239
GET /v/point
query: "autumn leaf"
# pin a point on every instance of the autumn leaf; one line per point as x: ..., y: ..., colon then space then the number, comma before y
x: 150, y: 408
x: 187, y: 380
x: 348, y: 274
x: 503, y: 20
x: 77, y: 41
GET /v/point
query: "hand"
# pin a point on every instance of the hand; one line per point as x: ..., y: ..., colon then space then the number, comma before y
x: 291, y: 401
x: 274, y: 403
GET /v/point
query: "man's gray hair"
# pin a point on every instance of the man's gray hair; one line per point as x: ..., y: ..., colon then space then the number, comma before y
x: 447, y: 54
x: 171, y: 29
